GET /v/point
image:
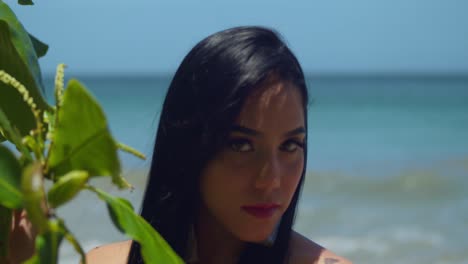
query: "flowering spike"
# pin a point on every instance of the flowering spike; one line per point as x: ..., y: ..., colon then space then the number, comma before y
x: 59, y: 75
x: 10, y: 80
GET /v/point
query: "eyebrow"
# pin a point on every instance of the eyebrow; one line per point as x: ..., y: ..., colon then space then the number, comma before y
x: 252, y: 132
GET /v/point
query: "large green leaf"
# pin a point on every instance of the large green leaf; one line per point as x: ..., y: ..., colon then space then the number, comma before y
x: 81, y: 139
x: 154, y: 248
x: 10, y: 179
x: 2, y: 138
x: 18, y: 58
x: 39, y: 47
x: 14, y: 136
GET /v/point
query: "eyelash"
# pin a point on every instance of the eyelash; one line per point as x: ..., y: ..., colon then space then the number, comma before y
x: 239, y: 141
x: 242, y: 141
x: 299, y: 145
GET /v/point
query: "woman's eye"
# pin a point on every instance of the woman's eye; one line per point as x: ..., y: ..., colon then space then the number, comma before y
x: 240, y: 145
x: 291, y: 145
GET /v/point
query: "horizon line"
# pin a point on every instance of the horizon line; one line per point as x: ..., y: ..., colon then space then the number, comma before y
x: 437, y: 75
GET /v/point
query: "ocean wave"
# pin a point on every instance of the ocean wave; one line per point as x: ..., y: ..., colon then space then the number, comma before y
x: 403, y: 243
x: 433, y: 183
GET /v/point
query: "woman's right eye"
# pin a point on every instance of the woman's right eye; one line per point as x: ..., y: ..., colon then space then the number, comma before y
x: 240, y: 145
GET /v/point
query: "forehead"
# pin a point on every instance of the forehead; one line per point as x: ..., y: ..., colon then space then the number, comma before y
x: 275, y: 106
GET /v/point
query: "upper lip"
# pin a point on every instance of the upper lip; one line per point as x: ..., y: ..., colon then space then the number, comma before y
x: 262, y: 206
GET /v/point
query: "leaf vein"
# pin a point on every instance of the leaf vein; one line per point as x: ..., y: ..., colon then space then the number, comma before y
x: 99, y: 133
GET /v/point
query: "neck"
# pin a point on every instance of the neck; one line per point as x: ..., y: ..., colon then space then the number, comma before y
x: 215, y: 243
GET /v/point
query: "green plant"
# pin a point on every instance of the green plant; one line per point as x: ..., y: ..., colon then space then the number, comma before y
x: 68, y: 144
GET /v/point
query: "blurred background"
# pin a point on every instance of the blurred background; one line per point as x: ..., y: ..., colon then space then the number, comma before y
x: 388, y: 138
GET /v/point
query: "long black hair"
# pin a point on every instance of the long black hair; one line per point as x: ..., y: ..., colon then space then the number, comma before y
x: 205, y: 96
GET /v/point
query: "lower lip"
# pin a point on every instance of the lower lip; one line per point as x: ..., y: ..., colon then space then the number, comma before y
x: 260, y: 212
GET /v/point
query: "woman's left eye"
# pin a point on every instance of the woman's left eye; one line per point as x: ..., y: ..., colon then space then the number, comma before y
x: 240, y: 145
x: 291, y: 145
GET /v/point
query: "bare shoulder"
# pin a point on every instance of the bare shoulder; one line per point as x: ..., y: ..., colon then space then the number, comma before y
x: 305, y: 251
x: 112, y: 253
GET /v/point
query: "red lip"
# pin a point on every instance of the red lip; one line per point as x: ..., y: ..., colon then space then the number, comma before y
x: 261, y: 210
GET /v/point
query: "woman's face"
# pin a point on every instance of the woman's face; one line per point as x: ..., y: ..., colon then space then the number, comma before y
x: 248, y: 186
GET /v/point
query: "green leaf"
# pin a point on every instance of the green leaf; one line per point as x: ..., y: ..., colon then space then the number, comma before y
x: 39, y: 47
x: 47, y: 244
x: 13, y: 135
x: 25, y: 2
x: 154, y: 248
x: 114, y: 217
x: 32, y: 186
x: 10, y: 180
x: 81, y: 138
x: 35, y: 258
x: 5, y: 226
x: 19, y: 59
x: 67, y: 187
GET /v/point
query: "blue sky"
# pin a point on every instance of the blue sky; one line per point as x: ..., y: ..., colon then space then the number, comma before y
x: 339, y: 36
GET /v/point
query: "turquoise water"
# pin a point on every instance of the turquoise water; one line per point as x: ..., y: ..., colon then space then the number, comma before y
x: 387, y: 166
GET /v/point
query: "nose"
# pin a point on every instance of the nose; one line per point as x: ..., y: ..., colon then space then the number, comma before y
x: 269, y: 176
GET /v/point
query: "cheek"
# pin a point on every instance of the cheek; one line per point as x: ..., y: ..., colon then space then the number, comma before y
x: 223, y: 191
x: 291, y: 178
x: 222, y: 186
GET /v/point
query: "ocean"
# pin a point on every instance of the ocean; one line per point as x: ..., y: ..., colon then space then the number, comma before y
x: 386, y: 171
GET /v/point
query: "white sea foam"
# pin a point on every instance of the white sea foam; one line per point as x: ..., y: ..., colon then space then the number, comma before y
x: 415, y: 235
x: 353, y: 245
x: 406, y: 242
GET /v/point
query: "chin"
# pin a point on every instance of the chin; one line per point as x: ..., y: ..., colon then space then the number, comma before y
x: 258, y: 236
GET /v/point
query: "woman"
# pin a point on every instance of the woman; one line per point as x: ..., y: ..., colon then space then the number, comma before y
x: 229, y: 158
